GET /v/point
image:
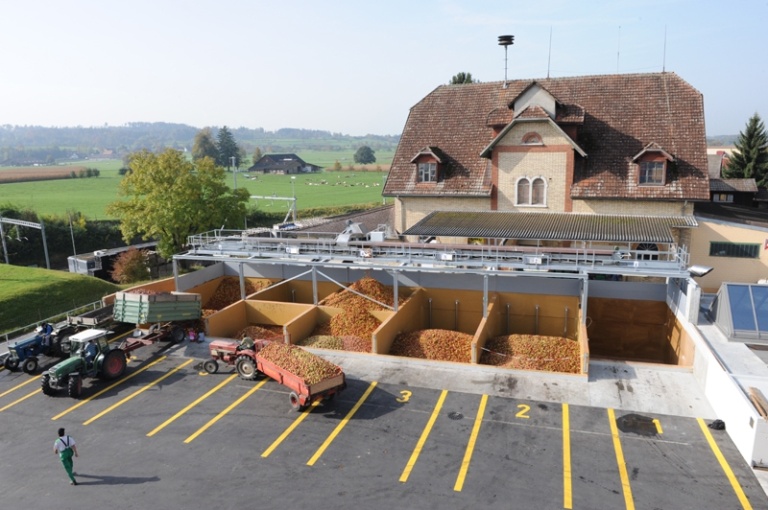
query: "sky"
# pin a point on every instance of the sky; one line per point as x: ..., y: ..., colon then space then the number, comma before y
x: 354, y: 67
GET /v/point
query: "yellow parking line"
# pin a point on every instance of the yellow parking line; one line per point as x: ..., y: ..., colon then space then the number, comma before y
x: 726, y: 467
x: 136, y: 393
x: 85, y: 401
x: 290, y: 429
x: 225, y: 411
x: 31, y: 380
x: 190, y: 406
x: 341, y: 425
x: 470, y: 445
x: 22, y: 399
x: 628, y: 500
x: 423, y: 438
x: 567, y: 475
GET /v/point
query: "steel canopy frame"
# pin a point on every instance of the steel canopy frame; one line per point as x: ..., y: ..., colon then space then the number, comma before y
x: 40, y: 226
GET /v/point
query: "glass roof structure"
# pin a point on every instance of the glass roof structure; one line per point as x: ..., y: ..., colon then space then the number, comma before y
x: 740, y: 310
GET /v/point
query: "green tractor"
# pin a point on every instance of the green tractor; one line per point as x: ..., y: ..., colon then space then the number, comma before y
x: 104, y: 361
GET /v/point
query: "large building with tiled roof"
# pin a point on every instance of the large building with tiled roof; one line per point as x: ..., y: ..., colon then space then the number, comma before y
x: 613, y: 144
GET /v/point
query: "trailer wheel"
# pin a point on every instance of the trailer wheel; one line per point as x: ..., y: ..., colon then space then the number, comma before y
x: 11, y: 364
x: 75, y: 386
x: 211, y: 366
x: 113, y: 365
x: 246, y: 368
x: 65, y: 347
x: 295, y: 402
x: 177, y: 334
x: 45, y: 382
x: 30, y: 365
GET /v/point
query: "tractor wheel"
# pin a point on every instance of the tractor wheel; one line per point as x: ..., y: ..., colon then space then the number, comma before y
x: 11, y: 364
x: 46, y: 384
x: 75, y: 386
x: 30, y: 365
x: 246, y: 368
x: 211, y: 366
x: 295, y: 402
x: 65, y: 347
x: 113, y: 365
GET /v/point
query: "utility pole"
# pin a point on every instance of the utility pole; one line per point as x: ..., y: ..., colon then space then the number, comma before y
x: 234, y: 170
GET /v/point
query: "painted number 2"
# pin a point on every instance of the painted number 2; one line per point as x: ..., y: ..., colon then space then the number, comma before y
x: 523, y: 412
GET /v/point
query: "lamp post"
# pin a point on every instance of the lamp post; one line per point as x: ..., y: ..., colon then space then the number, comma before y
x: 234, y: 170
x: 293, y: 193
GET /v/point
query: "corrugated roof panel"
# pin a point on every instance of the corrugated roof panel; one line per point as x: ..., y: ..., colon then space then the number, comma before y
x: 551, y: 226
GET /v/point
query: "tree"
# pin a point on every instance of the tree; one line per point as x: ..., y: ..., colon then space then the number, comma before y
x: 204, y: 145
x: 168, y: 198
x: 461, y: 79
x: 750, y: 159
x: 228, y: 149
x: 364, y: 155
x: 131, y: 266
x: 257, y: 155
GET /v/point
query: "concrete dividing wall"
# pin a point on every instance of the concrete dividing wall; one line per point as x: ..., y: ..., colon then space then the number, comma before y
x: 680, y: 348
x: 628, y: 329
x: 537, y: 314
x: 296, y: 291
x: 431, y: 309
x: 302, y: 325
x: 229, y: 321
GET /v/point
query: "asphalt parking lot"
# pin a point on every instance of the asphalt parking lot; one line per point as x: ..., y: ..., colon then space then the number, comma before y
x: 169, y: 436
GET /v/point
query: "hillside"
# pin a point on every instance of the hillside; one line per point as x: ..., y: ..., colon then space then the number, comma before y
x: 27, y: 145
x: 29, y: 295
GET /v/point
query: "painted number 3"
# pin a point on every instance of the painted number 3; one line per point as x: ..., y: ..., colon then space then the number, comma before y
x: 405, y: 396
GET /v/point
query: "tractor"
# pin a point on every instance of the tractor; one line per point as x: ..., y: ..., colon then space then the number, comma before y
x: 25, y: 353
x: 107, y: 363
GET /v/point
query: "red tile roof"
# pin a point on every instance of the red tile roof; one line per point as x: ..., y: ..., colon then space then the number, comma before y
x: 619, y: 115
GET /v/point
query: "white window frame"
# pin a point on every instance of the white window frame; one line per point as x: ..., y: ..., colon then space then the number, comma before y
x: 644, y: 173
x: 527, y: 201
x: 427, y: 171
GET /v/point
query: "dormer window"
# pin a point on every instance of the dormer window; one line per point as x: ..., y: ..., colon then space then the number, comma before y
x: 427, y: 172
x: 428, y: 162
x: 652, y: 165
x: 652, y: 173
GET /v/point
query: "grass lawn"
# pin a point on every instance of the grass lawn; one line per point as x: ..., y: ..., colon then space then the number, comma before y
x: 90, y: 196
x: 29, y: 295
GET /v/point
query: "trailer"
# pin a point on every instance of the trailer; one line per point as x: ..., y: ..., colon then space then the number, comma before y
x: 162, y: 316
x: 251, y: 363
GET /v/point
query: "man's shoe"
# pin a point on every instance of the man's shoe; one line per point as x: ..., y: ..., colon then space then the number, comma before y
x: 72, y: 483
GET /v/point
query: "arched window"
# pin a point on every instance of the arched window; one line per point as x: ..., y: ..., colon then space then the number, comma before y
x: 523, y: 191
x: 531, y: 191
x: 532, y: 138
x: 538, y: 192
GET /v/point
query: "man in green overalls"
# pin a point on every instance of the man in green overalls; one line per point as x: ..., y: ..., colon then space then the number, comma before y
x: 65, y: 447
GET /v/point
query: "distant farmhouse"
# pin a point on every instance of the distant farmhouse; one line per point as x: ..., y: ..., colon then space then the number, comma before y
x: 283, y: 164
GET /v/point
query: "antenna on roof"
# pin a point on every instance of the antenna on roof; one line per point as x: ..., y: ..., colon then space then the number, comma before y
x: 618, y: 51
x: 506, y: 40
x: 549, y: 54
x: 664, y: 60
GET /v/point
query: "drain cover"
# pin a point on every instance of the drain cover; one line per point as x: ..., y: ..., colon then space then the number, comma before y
x: 455, y: 416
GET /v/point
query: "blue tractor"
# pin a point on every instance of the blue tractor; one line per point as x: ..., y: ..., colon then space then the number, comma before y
x: 25, y: 353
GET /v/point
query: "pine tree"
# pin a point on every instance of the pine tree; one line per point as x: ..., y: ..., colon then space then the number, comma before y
x: 750, y: 159
x: 227, y: 146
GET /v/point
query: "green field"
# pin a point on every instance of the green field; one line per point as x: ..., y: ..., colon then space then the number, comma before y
x: 29, y: 295
x: 91, y: 196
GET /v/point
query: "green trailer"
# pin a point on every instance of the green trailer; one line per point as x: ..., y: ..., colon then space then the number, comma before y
x: 137, y: 308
